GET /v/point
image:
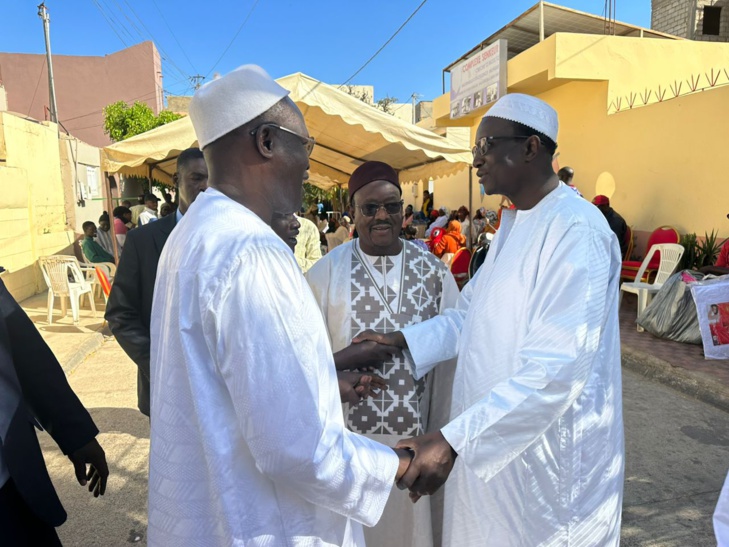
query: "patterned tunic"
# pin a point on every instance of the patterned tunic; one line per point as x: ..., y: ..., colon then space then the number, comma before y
x: 356, y: 292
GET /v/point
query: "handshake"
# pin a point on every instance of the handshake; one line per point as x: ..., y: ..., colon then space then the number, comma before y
x: 425, y: 463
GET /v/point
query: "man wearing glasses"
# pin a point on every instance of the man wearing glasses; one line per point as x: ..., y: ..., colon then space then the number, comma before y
x: 381, y: 282
x: 248, y: 443
x: 535, y: 441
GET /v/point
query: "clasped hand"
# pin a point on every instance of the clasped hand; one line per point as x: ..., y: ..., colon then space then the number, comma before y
x: 432, y: 462
x: 365, y: 354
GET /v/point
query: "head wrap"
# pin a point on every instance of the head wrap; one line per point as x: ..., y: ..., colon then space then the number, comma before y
x: 526, y: 110
x: 454, y: 230
x: 370, y: 171
x: 226, y: 103
x: 454, y: 226
x: 601, y: 200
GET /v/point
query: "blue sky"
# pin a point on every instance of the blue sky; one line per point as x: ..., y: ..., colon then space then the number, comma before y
x: 326, y: 39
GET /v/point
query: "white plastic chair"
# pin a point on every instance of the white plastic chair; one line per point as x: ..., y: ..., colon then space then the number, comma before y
x: 64, y: 279
x: 671, y: 254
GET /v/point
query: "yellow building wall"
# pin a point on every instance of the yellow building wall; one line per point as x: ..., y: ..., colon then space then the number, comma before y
x: 32, y: 211
x: 662, y: 163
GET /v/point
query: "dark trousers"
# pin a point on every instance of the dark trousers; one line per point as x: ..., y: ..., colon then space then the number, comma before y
x: 19, y: 527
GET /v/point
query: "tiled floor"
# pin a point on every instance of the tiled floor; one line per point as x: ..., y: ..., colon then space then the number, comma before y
x: 686, y: 356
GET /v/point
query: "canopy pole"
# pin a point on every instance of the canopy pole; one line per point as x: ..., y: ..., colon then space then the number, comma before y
x: 110, y: 210
x: 469, y: 242
x: 541, y: 21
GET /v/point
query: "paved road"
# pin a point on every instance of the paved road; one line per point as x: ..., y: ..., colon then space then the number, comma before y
x: 676, y: 462
x: 677, y: 458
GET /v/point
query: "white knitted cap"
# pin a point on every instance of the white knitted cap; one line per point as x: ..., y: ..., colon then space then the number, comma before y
x: 226, y: 103
x: 527, y: 110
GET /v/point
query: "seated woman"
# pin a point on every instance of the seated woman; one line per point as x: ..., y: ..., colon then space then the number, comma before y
x: 410, y: 233
x: 451, y: 241
x: 479, y: 223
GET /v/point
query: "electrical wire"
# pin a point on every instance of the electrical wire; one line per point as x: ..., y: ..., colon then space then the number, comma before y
x: 36, y: 87
x: 250, y: 12
x: 166, y: 56
x: 384, y: 45
x: 164, y: 20
x: 115, y: 19
x: 108, y: 22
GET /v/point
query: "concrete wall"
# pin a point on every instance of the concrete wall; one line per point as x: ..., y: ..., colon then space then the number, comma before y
x: 33, y: 220
x: 179, y: 103
x: 685, y: 18
x: 723, y: 26
x: 671, y: 16
x: 84, y: 86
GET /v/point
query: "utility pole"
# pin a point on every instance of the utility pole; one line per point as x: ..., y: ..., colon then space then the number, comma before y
x: 43, y: 14
x: 196, y: 81
x: 414, y: 97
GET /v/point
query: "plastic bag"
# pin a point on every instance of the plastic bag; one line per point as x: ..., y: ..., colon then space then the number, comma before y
x: 672, y: 313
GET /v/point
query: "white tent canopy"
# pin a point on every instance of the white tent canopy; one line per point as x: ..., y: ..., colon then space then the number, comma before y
x: 348, y: 132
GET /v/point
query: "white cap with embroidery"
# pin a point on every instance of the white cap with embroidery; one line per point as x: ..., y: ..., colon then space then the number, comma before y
x: 226, y: 103
x: 527, y: 110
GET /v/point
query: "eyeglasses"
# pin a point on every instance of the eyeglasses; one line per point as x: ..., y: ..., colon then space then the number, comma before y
x: 371, y: 209
x: 308, y: 142
x: 484, y: 143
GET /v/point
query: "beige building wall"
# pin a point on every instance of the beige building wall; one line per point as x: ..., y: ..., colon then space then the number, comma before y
x: 34, y: 209
x: 82, y: 181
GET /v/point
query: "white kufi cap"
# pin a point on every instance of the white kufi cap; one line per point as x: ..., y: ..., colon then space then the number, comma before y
x: 527, y: 110
x: 226, y: 103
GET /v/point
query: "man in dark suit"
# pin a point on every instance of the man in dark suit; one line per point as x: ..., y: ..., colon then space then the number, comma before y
x: 34, y: 392
x: 129, y: 309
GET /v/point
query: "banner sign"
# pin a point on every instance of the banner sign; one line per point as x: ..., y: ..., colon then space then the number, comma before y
x: 479, y: 80
x: 712, y: 306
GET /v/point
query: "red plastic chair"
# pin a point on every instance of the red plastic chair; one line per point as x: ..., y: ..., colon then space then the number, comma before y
x: 664, y: 234
x: 459, y: 266
x: 435, y: 236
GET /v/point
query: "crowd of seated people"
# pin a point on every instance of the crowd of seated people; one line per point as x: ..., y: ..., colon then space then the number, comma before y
x: 97, y: 245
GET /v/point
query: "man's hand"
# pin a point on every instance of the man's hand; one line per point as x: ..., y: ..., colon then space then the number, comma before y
x: 364, y: 356
x: 395, y: 339
x: 98, y: 472
x: 354, y: 387
x: 432, y: 463
x: 406, y: 458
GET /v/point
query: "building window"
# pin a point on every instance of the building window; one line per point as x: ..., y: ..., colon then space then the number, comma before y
x: 712, y: 21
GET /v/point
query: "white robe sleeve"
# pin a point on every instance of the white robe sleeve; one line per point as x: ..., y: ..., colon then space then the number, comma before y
x: 280, y: 375
x: 437, y: 339
x: 566, y: 316
x: 721, y: 516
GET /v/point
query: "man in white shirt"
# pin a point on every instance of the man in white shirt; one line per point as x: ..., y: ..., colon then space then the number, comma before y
x: 248, y: 444
x: 535, y: 441
x: 150, y: 210
x: 308, y: 244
